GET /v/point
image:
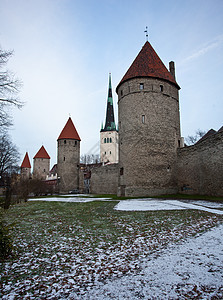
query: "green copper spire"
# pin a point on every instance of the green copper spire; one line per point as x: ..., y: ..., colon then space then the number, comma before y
x: 110, y: 119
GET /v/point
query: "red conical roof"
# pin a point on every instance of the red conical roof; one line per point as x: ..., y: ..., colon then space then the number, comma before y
x: 42, y: 153
x: 26, y: 162
x: 69, y: 131
x: 148, y: 64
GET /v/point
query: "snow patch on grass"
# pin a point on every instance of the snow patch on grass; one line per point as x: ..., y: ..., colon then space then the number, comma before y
x: 155, y: 205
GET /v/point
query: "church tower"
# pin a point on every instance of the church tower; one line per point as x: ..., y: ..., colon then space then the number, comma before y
x: 68, y: 158
x: 149, y: 126
x: 109, y: 134
x: 41, y: 164
x: 26, y: 168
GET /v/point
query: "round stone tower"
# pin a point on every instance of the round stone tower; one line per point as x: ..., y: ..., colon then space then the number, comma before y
x: 149, y: 126
x: 68, y: 158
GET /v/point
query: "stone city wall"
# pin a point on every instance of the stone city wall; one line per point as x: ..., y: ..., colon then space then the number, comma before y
x: 104, y: 179
x: 200, y: 167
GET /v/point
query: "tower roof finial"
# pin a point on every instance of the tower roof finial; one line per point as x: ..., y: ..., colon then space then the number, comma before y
x: 146, y: 31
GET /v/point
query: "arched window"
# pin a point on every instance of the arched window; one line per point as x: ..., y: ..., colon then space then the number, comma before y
x: 104, y: 140
x: 110, y: 140
x: 107, y: 140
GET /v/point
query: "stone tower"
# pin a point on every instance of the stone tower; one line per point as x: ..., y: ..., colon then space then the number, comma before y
x: 68, y: 158
x: 41, y: 164
x: 149, y: 126
x: 26, y: 168
x: 109, y: 134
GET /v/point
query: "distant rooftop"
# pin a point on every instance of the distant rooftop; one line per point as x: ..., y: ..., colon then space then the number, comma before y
x: 69, y: 131
x: 42, y: 153
x: 26, y: 162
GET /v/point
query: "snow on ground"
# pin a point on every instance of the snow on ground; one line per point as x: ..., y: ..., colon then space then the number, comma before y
x: 68, y: 199
x: 152, y: 205
x: 192, y: 270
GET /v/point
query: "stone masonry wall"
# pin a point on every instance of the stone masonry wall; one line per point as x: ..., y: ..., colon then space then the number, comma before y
x: 200, y: 167
x: 104, y: 179
x: 41, y: 168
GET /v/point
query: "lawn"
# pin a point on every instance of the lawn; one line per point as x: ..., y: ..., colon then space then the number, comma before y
x: 65, y: 249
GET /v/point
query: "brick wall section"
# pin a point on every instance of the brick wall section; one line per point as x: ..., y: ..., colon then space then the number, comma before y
x: 148, y: 149
x: 104, y: 179
x: 200, y: 167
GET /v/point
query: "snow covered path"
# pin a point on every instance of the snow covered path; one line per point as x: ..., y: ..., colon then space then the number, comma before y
x: 192, y: 269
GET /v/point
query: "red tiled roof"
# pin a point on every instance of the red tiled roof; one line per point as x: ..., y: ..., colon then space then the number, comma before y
x: 26, y: 162
x: 42, y: 153
x: 69, y: 131
x: 148, y: 64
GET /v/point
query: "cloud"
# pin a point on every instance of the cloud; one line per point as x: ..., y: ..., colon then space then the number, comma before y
x: 206, y: 48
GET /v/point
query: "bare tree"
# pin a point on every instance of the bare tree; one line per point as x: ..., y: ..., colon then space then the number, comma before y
x: 9, y: 157
x: 192, y: 139
x: 9, y: 88
x: 90, y: 159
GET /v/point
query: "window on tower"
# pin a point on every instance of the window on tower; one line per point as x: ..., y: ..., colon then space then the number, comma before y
x: 65, y: 141
x: 107, y: 140
x: 143, y: 119
x: 104, y: 140
x: 141, y: 86
x: 110, y: 140
x: 161, y: 88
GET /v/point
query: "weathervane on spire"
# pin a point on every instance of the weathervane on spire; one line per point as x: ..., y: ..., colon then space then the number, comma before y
x: 146, y: 31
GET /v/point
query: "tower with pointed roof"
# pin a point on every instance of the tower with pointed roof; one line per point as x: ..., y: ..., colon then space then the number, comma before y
x: 68, y: 158
x: 41, y: 164
x: 26, y: 168
x: 109, y: 132
x: 149, y: 126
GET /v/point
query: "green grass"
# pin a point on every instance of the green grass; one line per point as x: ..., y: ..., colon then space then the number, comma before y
x: 86, y: 242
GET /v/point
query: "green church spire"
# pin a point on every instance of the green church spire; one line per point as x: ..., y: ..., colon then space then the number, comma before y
x: 110, y: 119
